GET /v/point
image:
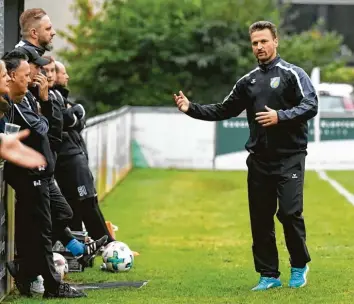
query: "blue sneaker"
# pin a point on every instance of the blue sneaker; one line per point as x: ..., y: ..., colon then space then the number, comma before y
x: 298, y: 277
x: 267, y: 283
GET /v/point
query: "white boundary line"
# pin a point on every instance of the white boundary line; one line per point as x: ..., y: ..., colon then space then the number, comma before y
x: 341, y: 190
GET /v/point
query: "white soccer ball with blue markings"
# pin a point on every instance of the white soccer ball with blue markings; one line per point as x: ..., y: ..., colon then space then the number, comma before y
x: 117, y: 257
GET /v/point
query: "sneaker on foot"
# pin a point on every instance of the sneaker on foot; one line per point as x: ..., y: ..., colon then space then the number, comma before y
x: 64, y: 291
x: 298, y: 277
x: 267, y: 283
x: 91, y: 250
x: 23, y: 286
x: 37, y: 286
x: 100, y: 252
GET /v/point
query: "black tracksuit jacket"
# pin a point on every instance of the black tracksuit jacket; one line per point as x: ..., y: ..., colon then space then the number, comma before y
x: 74, y: 123
x: 42, y: 127
x: 279, y: 85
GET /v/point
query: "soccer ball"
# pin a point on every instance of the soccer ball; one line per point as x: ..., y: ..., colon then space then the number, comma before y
x: 117, y: 257
x: 61, y: 264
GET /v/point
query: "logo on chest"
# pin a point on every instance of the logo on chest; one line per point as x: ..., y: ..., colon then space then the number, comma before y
x: 274, y: 82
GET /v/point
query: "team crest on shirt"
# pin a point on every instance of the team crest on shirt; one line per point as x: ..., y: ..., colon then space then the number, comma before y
x: 274, y: 82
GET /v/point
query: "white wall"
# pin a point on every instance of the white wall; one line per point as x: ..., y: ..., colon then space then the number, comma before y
x: 170, y: 139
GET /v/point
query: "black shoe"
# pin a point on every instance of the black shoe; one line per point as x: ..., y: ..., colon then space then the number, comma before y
x: 91, y: 249
x: 23, y: 286
x: 64, y: 291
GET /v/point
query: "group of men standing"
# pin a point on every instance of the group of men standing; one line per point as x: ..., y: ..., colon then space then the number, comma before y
x: 54, y: 199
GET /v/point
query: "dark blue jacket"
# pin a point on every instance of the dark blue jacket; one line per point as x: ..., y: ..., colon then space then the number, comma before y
x: 279, y: 85
x: 74, y: 121
x: 25, y: 114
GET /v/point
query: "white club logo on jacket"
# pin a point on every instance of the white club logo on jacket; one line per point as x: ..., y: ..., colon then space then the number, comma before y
x: 274, y: 82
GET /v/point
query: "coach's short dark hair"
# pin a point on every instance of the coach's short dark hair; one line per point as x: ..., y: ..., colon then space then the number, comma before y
x: 13, y: 60
x: 262, y: 25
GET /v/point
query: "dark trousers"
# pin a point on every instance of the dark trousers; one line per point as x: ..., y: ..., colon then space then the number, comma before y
x: 89, y: 212
x: 72, y: 174
x: 269, y: 181
x: 33, y: 229
x: 61, y: 213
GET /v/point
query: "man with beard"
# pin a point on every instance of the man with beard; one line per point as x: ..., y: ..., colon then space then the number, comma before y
x: 26, y: 113
x: 33, y: 211
x: 279, y: 99
x: 36, y: 30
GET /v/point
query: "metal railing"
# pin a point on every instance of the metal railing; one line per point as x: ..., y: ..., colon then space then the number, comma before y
x: 108, y: 139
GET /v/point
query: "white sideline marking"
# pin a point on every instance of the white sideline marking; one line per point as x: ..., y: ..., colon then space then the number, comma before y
x: 341, y: 190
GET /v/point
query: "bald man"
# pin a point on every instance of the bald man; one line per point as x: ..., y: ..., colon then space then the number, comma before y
x: 62, y: 75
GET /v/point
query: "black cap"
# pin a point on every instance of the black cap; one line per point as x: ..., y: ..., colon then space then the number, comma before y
x: 33, y: 56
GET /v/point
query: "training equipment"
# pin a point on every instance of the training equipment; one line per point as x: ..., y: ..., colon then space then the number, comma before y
x: 108, y: 285
x: 61, y: 264
x: 61, y: 267
x: 118, y: 257
x: 112, y: 229
x: 74, y: 265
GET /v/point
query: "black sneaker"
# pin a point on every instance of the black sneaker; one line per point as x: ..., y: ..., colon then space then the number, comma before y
x: 23, y: 286
x: 64, y: 291
x: 91, y: 250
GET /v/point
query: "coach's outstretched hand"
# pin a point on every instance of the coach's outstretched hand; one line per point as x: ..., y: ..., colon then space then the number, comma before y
x: 12, y: 150
x: 182, y: 102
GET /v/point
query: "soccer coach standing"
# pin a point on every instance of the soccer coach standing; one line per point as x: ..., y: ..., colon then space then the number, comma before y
x: 279, y: 99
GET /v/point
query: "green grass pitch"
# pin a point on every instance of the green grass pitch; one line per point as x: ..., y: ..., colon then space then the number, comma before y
x: 192, y: 231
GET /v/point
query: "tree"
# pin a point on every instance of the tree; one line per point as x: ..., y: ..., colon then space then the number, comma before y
x: 311, y: 48
x: 139, y: 52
